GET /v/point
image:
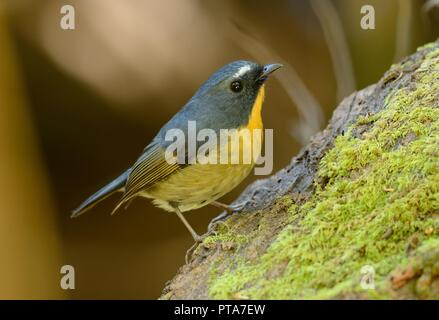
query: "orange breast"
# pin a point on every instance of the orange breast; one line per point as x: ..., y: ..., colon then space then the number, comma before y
x: 255, y: 122
x: 255, y: 119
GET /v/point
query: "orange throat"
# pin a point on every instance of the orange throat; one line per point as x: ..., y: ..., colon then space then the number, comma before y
x: 255, y: 119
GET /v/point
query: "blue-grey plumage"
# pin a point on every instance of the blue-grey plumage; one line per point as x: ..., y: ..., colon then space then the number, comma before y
x: 116, y: 185
x: 230, y: 99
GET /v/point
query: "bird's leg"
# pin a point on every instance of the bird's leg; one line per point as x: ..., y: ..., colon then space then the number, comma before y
x: 230, y: 209
x: 195, y: 235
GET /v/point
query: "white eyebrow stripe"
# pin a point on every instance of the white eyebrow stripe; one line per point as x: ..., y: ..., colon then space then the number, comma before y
x: 241, y: 71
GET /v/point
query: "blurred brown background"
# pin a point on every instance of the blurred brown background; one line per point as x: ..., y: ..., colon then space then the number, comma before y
x: 78, y: 106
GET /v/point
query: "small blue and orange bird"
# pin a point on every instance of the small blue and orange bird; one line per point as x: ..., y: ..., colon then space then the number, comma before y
x: 230, y: 99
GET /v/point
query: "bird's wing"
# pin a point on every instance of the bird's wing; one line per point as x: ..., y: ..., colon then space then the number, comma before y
x: 150, y: 168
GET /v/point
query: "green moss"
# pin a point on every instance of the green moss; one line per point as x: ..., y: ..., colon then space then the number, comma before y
x: 225, y: 237
x: 287, y: 201
x: 431, y: 45
x: 382, y: 190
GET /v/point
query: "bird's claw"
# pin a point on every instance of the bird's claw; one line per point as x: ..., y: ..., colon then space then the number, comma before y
x: 198, y: 239
x: 214, y: 223
x: 191, y: 250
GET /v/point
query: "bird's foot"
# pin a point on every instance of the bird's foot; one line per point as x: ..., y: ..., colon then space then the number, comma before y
x: 228, y: 210
x: 198, y: 239
x: 215, y: 222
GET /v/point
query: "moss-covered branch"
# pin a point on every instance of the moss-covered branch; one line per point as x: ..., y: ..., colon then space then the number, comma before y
x: 364, y: 192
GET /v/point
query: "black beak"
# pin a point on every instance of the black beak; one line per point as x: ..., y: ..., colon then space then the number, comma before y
x: 267, y: 70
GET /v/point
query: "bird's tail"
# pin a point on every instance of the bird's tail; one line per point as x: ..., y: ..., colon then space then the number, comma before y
x: 117, y: 184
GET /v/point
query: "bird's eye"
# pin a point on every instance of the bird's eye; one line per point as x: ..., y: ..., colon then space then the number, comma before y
x: 236, y: 86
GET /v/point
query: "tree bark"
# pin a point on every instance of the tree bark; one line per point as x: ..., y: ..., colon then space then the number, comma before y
x: 355, y: 213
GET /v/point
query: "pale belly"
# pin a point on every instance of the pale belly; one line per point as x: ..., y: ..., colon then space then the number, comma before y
x: 197, y: 185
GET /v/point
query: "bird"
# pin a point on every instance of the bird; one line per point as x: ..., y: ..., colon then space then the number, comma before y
x: 232, y: 99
